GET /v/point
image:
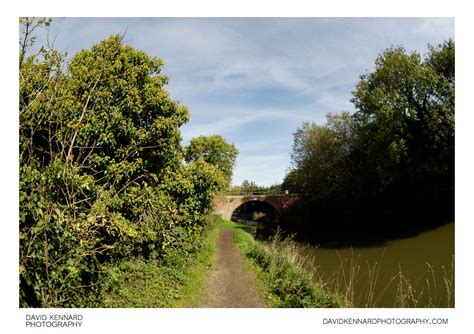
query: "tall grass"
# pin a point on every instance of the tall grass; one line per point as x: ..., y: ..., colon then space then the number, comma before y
x: 360, y: 288
x: 279, y: 268
x: 294, y: 279
x: 359, y: 284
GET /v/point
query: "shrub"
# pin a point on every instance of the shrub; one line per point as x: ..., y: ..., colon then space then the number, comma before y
x: 102, y: 177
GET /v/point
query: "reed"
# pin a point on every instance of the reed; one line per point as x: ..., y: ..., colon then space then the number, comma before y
x: 280, y: 269
x: 356, y: 283
x: 361, y: 288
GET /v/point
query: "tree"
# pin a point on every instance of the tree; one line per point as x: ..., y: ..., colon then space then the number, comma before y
x: 27, y: 38
x: 404, y: 116
x: 396, y: 149
x: 102, y: 177
x: 320, y: 158
x: 247, y: 187
x: 215, y: 151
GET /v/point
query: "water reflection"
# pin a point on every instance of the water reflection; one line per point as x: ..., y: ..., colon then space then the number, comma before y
x: 406, y: 270
x: 416, y: 271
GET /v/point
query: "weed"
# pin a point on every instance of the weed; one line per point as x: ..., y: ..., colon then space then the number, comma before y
x: 280, y: 271
x: 177, y: 280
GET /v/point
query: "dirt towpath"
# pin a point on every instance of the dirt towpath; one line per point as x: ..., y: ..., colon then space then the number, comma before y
x: 231, y: 285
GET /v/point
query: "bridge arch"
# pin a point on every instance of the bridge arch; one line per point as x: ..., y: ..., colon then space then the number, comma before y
x: 226, y: 205
x: 257, y: 210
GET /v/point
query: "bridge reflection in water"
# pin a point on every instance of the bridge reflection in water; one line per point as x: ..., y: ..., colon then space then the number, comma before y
x: 253, y: 212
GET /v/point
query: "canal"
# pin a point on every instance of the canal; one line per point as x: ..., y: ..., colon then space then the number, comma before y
x: 416, y: 271
x: 413, y: 271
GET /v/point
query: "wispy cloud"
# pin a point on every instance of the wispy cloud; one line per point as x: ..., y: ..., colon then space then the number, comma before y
x: 217, y: 121
x: 255, y: 80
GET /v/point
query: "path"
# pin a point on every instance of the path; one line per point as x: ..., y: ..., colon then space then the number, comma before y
x: 231, y: 285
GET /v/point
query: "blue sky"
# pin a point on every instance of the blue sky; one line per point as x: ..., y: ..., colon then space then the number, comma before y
x: 255, y: 80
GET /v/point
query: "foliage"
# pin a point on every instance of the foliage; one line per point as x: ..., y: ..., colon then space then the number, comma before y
x: 397, y: 148
x: 250, y: 187
x: 28, y: 25
x: 215, y: 151
x: 405, y: 114
x: 101, y: 171
x: 321, y: 156
x: 175, y: 282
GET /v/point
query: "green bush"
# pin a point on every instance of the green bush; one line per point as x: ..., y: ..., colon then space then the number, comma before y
x: 102, y: 177
x: 175, y: 280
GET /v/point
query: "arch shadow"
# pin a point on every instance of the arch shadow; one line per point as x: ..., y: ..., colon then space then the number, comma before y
x: 256, y: 211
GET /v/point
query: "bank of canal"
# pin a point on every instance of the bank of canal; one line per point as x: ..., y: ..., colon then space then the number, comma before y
x: 414, y: 271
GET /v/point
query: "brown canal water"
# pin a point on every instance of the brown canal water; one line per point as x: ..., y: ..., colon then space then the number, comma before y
x: 416, y: 271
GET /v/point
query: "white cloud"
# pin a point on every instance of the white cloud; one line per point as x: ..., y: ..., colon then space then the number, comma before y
x: 232, y: 119
x: 234, y: 73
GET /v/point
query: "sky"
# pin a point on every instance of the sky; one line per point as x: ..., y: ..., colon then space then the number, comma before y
x: 254, y: 81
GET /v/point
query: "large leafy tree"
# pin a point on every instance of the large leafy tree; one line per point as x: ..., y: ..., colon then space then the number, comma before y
x: 102, y: 176
x: 404, y: 116
x: 320, y: 158
x: 215, y: 151
x: 398, y: 145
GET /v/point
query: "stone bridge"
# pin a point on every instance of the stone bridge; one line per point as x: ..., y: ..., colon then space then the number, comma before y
x: 226, y: 205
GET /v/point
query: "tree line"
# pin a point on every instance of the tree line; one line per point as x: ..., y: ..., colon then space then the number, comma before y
x: 391, y: 161
x: 251, y: 187
x: 103, y: 174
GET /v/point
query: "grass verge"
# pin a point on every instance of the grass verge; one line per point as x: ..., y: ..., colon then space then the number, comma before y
x: 177, y: 281
x: 280, y: 274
